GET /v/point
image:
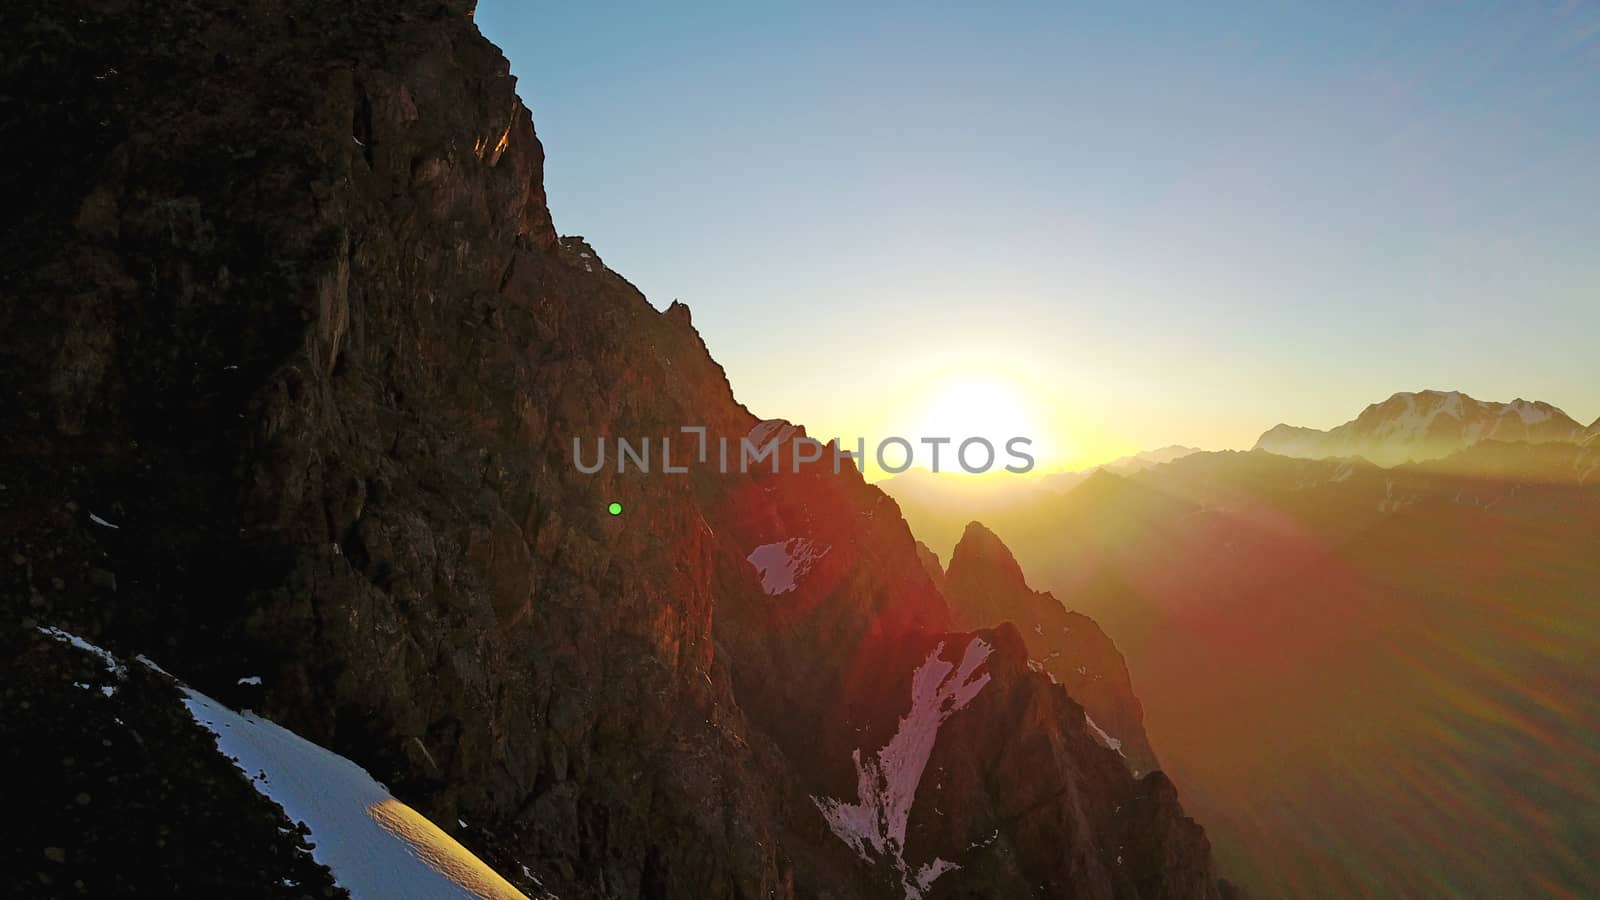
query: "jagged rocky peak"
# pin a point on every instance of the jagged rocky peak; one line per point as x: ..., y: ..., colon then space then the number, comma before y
x: 1412, y: 426
x: 679, y: 312
x: 948, y: 802
x: 985, y: 586
x: 981, y: 557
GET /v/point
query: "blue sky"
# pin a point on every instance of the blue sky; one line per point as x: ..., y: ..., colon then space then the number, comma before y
x: 1170, y: 223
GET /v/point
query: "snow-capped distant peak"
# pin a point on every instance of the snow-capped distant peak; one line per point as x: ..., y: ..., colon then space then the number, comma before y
x: 1421, y: 425
x: 1452, y: 404
x: 1529, y: 413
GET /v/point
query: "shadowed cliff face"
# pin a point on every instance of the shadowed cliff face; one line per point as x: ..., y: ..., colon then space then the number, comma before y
x: 286, y: 309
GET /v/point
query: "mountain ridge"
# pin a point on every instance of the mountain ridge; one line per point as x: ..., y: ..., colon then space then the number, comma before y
x: 300, y: 360
x: 1411, y: 426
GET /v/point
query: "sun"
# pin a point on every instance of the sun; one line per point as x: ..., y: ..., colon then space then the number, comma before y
x: 982, y: 406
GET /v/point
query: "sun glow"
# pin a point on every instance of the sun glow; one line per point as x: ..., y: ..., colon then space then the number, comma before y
x: 976, y: 406
x: 958, y: 396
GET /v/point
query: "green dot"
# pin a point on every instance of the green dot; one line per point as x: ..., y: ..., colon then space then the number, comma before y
x: 615, y: 508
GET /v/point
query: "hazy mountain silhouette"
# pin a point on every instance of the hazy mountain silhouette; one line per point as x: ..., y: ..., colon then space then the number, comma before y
x: 1368, y: 681
x: 943, y: 503
x: 1416, y: 426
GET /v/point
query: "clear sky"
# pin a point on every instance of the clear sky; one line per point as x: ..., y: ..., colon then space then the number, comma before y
x: 1175, y: 223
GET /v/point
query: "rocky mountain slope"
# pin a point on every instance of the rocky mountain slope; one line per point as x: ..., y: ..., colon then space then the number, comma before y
x: 295, y: 363
x: 1427, y: 425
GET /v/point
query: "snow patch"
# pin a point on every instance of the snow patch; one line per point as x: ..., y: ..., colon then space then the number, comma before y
x: 1529, y: 413
x: 375, y: 845
x: 112, y: 664
x: 768, y: 430
x: 781, y: 564
x: 150, y: 664
x: 1100, y: 736
x: 886, y: 785
x: 1415, y: 422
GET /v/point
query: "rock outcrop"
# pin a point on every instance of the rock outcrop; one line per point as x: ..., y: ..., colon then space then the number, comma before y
x: 986, y: 586
x: 295, y: 364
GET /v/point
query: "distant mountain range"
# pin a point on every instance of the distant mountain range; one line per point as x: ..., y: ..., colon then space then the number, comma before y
x: 949, y: 500
x: 1127, y: 465
x: 1410, y: 427
x: 1367, y: 680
